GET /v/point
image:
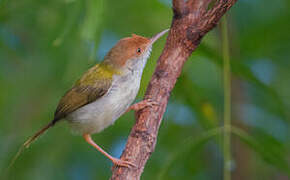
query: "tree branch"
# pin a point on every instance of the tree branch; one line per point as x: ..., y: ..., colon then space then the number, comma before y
x: 179, y: 7
x: 191, y: 21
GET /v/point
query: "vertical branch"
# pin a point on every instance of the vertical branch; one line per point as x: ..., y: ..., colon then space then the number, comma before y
x: 227, y: 101
x: 191, y: 21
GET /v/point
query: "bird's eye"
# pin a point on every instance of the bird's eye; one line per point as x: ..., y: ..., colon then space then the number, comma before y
x: 138, y: 50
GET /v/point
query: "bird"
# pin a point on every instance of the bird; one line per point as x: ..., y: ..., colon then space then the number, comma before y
x: 104, y: 93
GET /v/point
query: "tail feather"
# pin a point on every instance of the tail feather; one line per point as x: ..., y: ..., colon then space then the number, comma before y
x: 36, y: 135
x: 28, y: 142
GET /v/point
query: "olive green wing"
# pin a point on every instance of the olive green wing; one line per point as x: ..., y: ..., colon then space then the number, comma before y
x: 93, y: 85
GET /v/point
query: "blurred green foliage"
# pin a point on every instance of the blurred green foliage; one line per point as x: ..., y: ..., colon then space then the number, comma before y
x: 46, y: 45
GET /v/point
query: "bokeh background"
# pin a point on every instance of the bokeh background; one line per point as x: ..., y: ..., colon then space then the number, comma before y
x: 46, y: 45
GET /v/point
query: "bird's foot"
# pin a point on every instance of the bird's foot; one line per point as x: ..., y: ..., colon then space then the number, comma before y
x: 119, y: 162
x: 142, y: 104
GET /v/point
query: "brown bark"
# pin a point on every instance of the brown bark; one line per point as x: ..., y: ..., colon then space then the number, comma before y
x: 191, y: 21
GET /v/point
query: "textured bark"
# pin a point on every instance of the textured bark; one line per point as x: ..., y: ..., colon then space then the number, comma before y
x: 191, y: 21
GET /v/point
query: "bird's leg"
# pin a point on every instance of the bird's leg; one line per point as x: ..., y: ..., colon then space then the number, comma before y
x: 115, y: 161
x: 142, y: 104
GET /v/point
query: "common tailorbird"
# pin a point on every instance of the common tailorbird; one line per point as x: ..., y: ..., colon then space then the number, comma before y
x: 105, y: 92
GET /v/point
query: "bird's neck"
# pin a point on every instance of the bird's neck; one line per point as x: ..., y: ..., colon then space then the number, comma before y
x: 136, y: 66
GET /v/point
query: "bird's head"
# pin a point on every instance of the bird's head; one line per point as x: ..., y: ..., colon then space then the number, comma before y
x: 131, y: 52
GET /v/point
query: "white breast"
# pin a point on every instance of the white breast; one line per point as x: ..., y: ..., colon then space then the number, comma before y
x: 96, y: 116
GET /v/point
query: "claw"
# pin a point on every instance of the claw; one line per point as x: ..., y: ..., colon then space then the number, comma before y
x: 142, y: 104
x: 119, y: 162
x: 151, y: 102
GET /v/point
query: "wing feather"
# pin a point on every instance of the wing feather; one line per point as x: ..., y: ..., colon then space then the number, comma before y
x: 94, y: 84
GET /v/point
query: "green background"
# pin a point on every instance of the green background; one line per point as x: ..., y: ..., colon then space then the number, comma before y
x: 46, y: 45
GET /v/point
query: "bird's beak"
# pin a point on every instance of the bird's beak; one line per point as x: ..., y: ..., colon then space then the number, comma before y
x: 157, y: 36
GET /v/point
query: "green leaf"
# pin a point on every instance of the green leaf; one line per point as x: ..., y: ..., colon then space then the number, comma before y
x: 244, y: 72
x: 198, y: 100
x: 271, y: 153
x: 190, y: 145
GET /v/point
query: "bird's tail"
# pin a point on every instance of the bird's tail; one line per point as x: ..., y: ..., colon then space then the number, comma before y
x: 28, y: 142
